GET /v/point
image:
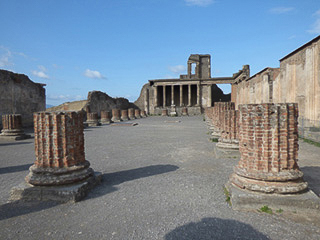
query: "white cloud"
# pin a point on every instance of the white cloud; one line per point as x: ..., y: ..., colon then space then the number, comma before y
x: 177, y: 69
x: 201, y: 3
x: 281, y: 10
x: 93, y: 74
x: 41, y: 73
x: 315, y: 29
x: 5, y: 57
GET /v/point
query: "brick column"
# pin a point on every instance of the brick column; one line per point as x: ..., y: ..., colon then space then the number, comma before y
x: 12, y: 127
x: 92, y: 119
x: 131, y: 113
x: 143, y: 114
x: 164, y: 112
x: 105, y: 117
x: 124, y: 115
x: 184, y: 111
x: 229, y: 135
x: 59, y: 149
x: 268, y: 138
x: 115, y: 115
x: 137, y: 113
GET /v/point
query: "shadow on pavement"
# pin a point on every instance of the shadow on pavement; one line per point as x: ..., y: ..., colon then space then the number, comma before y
x: 12, y: 169
x: 18, y: 208
x: 13, y: 143
x: 311, y: 174
x: 215, y: 228
x: 111, y: 179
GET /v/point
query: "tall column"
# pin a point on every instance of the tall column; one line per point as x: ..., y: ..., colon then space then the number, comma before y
x: 189, y: 95
x: 172, y: 94
x: 164, y: 95
x: 155, y: 95
x: 198, y: 94
x: 209, y: 103
x: 181, y: 95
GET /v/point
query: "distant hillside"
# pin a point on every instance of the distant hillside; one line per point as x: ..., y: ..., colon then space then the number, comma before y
x: 49, y: 106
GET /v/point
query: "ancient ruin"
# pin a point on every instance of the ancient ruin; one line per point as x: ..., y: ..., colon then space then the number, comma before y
x: 116, y: 115
x: 60, y: 160
x: 105, y: 117
x: 92, y: 119
x: 195, y: 90
x: 19, y: 95
x: 12, y: 127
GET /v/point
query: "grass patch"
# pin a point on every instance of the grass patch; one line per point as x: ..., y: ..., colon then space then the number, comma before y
x: 227, y: 194
x: 266, y: 209
x: 214, y: 139
x: 311, y: 142
x: 279, y: 210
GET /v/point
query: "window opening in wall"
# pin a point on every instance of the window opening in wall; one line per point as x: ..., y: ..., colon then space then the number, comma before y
x: 193, y: 68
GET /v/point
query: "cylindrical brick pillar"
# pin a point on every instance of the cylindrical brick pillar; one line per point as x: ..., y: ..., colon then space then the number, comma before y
x: 143, y: 113
x: 124, y: 115
x: 115, y: 115
x: 105, y: 117
x: 137, y: 113
x: 164, y: 112
x: 92, y: 119
x: 59, y: 149
x: 12, y: 127
x: 229, y: 135
x: 184, y: 111
x: 131, y: 113
x: 268, y: 139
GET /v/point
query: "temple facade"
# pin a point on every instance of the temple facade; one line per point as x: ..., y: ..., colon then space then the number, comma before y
x: 195, y: 90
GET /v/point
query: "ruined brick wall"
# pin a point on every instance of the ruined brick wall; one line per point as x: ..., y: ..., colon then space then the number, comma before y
x: 19, y: 95
x: 257, y: 89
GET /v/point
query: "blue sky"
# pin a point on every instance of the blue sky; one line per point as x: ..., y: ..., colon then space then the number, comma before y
x: 116, y: 46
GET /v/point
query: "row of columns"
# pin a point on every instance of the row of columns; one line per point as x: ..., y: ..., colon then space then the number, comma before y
x: 172, y: 95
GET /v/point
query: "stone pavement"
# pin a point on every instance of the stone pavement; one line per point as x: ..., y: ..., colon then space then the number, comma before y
x: 160, y: 181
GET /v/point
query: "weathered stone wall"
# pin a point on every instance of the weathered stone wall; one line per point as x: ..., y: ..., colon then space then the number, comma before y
x: 256, y: 89
x: 299, y: 81
x: 19, y: 95
x: 97, y: 101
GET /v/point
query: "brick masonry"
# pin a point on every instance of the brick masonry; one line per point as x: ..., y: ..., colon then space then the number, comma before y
x: 137, y: 113
x: 124, y: 115
x: 12, y: 127
x: 131, y: 113
x: 59, y: 149
x: 268, y: 139
x: 105, y: 117
x: 115, y: 115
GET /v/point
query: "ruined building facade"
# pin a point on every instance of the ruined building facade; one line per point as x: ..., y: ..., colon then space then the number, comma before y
x: 19, y: 95
x: 195, y: 91
x: 296, y: 81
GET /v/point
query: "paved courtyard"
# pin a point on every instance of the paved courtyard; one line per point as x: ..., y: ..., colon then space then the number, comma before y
x: 161, y: 180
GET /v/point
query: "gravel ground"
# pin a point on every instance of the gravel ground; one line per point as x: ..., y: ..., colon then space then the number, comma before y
x: 160, y: 181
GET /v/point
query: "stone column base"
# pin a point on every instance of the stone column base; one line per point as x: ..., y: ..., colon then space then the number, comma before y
x: 92, y: 123
x: 63, y: 193
x: 115, y: 119
x: 242, y: 199
x: 16, y: 134
x: 229, y: 144
x: 105, y: 122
